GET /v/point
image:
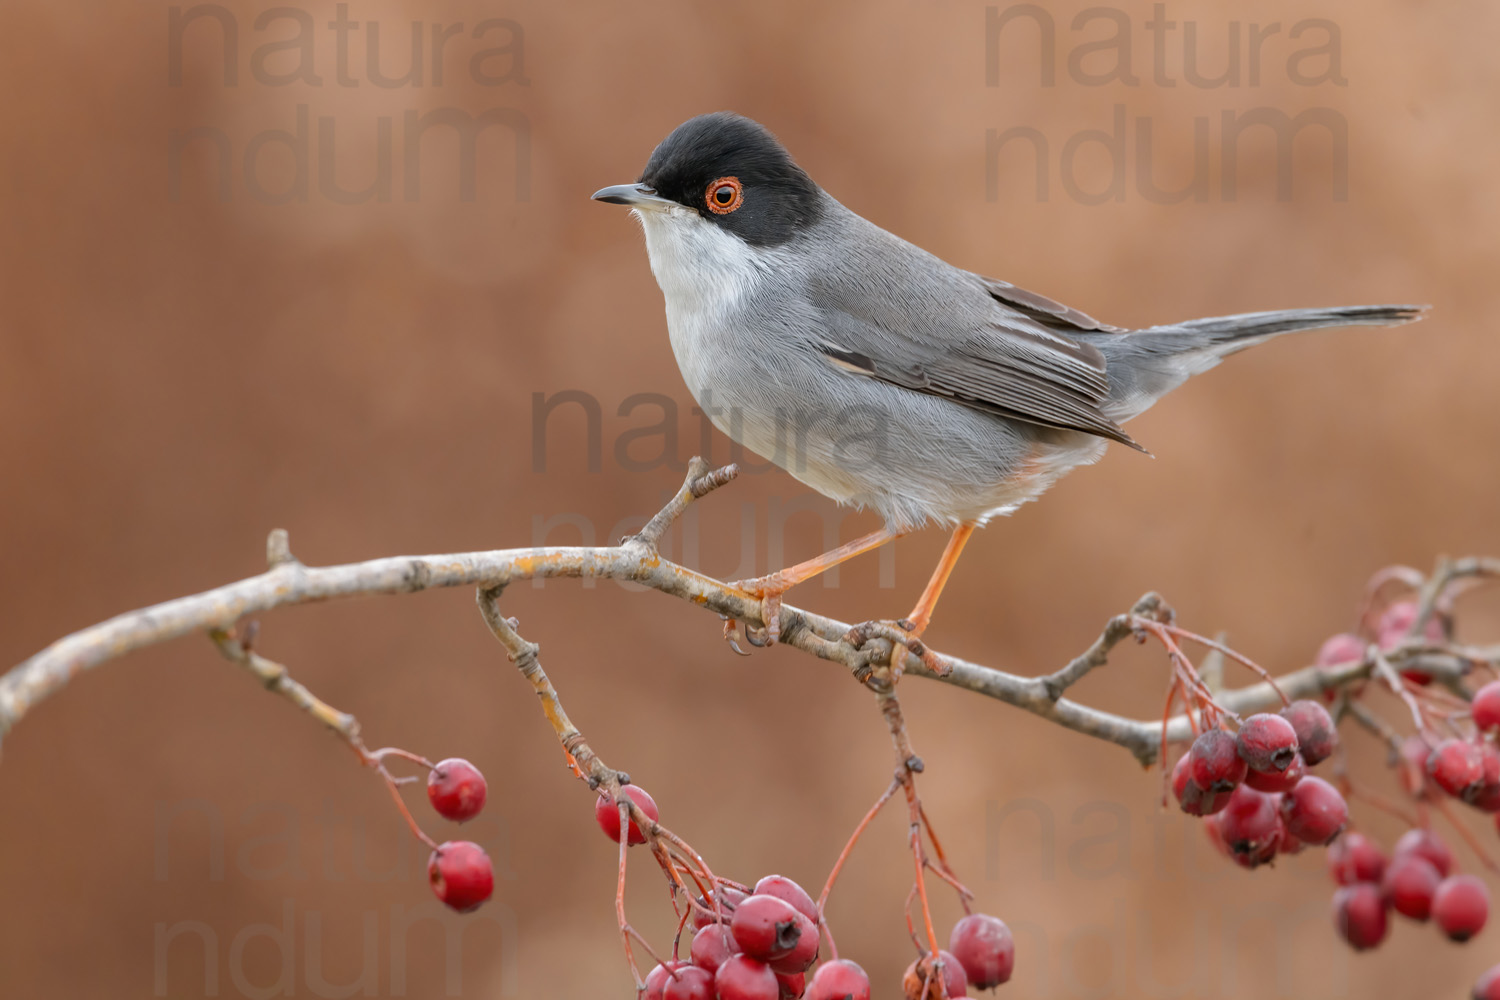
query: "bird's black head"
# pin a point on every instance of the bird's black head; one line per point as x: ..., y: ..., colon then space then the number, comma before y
x: 733, y: 173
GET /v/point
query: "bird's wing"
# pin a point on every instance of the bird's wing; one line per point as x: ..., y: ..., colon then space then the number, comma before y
x: 1048, y: 312
x: 998, y: 348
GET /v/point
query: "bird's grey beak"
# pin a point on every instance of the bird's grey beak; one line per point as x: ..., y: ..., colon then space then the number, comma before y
x: 634, y: 195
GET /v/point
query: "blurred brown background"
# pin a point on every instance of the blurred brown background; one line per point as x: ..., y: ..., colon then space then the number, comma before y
x: 181, y: 371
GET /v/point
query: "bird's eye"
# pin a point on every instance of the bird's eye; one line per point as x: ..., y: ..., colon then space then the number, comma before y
x: 725, y: 195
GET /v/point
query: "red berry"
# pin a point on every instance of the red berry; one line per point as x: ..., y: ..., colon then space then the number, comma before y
x: 1457, y: 767
x: 804, y: 953
x: 1396, y: 621
x: 460, y: 874
x: 1393, y: 629
x: 656, y: 979
x: 743, y: 978
x: 729, y: 898
x: 1286, y: 843
x: 1277, y: 781
x: 711, y: 946
x: 766, y: 928
x: 1487, y: 799
x: 1486, y: 706
x: 788, y: 891
x: 456, y: 789
x: 691, y: 983
x: 791, y: 984
x: 1460, y: 906
x: 923, y: 972
x: 1488, y: 985
x: 1193, y: 800
x: 1267, y: 742
x: 983, y: 946
x: 1425, y: 844
x: 1355, y: 858
x: 607, y: 813
x: 1249, y: 826
x: 1409, y: 884
x: 1215, y: 762
x: 1314, y: 811
x: 841, y: 980
x: 1341, y: 648
x: 1197, y: 802
x: 1485, y: 796
x: 1317, y: 736
x: 1359, y: 915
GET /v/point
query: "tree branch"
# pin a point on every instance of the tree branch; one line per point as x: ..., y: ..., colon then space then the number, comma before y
x: 636, y: 559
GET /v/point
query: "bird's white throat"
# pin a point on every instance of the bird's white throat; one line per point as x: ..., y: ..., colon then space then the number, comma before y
x: 700, y: 267
x: 709, y: 280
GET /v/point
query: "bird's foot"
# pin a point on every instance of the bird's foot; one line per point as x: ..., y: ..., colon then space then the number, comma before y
x: 768, y: 590
x: 904, y: 635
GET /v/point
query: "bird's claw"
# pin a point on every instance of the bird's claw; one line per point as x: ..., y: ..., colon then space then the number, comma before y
x: 898, y: 634
x: 732, y: 634
x: 768, y: 589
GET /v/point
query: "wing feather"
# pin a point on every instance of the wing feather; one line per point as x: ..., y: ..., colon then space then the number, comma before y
x: 1015, y: 358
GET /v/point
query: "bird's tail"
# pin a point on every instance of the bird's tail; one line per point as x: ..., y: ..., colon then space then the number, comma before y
x: 1146, y: 364
x: 1227, y: 334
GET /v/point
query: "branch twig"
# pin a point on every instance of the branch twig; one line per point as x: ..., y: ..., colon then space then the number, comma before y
x: 1097, y: 655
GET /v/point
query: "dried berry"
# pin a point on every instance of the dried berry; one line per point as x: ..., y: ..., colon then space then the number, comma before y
x: 1215, y: 763
x: 1317, y: 737
x: 1267, y: 742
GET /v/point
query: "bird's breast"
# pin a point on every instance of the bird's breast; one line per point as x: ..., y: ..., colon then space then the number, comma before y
x: 709, y: 279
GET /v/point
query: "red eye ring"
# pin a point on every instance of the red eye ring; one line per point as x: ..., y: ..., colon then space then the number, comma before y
x: 724, y: 195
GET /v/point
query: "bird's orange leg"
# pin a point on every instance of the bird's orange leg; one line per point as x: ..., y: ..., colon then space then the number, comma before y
x: 769, y: 588
x: 904, y: 633
x: 921, y: 615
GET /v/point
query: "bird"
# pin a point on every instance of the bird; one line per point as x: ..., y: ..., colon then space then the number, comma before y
x: 879, y: 374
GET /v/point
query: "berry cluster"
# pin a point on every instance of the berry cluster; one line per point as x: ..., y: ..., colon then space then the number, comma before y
x: 1418, y: 881
x: 1467, y: 769
x: 759, y: 944
x: 755, y: 945
x: 1440, y: 763
x: 1250, y: 782
x: 459, y: 871
x: 1250, y: 779
x: 980, y: 954
x: 1254, y: 790
x: 1387, y: 630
